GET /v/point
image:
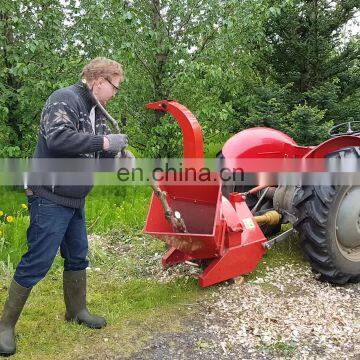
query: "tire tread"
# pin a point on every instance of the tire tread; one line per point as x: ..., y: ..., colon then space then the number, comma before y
x: 313, y: 204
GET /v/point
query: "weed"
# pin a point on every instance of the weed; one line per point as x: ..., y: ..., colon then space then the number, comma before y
x: 280, y: 348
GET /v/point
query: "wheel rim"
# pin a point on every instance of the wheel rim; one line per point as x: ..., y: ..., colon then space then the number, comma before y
x: 348, y: 224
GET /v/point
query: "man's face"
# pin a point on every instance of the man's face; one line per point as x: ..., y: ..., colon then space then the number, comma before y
x: 105, y: 88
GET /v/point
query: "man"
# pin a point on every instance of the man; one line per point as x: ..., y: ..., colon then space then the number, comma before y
x: 71, y: 126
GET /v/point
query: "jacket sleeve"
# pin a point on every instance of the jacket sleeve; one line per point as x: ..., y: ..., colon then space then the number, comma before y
x: 59, y: 126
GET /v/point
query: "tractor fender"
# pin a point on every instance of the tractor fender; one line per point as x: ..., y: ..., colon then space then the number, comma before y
x: 260, y: 143
x: 331, y: 145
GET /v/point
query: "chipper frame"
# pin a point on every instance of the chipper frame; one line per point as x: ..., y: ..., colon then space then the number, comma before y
x: 219, y: 228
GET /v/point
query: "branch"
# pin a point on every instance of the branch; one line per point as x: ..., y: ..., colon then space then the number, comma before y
x: 143, y: 63
x: 203, y: 45
x: 161, y: 18
x: 185, y: 23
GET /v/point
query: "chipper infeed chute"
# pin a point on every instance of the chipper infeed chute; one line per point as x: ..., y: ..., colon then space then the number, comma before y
x: 219, y: 230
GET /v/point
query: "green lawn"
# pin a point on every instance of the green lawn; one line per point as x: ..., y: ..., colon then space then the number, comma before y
x: 107, y: 209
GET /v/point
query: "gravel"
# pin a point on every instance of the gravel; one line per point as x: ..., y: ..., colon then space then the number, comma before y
x: 287, y: 313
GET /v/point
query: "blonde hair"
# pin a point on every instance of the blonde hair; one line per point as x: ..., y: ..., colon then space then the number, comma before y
x: 102, y: 67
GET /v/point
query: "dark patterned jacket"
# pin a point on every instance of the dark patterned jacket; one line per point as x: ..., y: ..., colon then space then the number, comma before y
x: 66, y: 132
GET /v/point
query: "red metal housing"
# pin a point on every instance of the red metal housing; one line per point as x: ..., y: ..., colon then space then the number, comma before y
x: 219, y: 230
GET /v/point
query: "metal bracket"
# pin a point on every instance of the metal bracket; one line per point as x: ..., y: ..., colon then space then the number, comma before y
x: 269, y: 244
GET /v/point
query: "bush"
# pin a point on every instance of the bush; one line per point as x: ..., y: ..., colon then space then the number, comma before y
x: 306, y: 125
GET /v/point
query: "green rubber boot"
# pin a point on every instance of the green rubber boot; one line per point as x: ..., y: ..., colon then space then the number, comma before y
x: 13, y: 307
x: 75, y: 300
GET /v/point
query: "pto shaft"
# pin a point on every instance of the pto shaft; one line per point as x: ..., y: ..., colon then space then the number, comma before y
x: 271, y: 217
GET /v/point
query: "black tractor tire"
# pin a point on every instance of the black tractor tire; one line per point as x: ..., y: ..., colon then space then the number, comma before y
x: 320, y: 233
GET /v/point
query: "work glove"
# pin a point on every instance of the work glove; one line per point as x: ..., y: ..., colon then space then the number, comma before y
x: 125, y: 154
x: 117, y: 142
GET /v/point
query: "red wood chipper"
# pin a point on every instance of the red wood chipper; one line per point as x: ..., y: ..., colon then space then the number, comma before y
x: 225, y: 228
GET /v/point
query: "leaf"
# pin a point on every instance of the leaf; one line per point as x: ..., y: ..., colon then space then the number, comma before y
x: 275, y: 11
x: 128, y: 16
x: 4, y: 111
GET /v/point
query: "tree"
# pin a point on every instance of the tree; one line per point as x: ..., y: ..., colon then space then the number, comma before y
x: 233, y: 63
x: 307, y: 55
x: 33, y: 63
x: 181, y: 49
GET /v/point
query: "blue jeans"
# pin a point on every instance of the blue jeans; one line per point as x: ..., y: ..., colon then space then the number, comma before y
x: 52, y: 226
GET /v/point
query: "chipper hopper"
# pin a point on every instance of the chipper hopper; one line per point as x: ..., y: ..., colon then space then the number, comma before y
x: 224, y: 228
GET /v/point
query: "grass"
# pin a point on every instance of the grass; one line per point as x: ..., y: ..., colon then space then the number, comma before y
x: 12, y: 235
x: 107, y: 209
x: 112, y: 207
x: 133, y: 308
x: 281, y: 349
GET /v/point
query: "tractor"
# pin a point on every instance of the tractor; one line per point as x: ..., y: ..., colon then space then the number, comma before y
x: 228, y: 227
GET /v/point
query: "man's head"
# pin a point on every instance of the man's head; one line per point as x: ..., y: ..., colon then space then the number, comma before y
x: 103, y: 76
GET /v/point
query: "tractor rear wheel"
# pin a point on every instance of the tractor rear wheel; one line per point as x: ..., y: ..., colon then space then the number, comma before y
x: 329, y: 227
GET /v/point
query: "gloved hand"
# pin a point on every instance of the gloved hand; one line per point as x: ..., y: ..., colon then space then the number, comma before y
x: 117, y: 142
x: 125, y: 154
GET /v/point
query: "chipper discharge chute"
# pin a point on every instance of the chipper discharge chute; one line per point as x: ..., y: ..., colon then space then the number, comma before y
x: 225, y: 228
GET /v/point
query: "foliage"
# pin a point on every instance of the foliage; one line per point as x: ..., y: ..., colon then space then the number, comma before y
x: 33, y: 63
x: 308, y: 71
x: 307, y: 53
x: 306, y: 124
x: 233, y: 63
x: 269, y: 107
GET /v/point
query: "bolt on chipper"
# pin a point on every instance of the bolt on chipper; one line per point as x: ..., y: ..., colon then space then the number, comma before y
x: 225, y: 228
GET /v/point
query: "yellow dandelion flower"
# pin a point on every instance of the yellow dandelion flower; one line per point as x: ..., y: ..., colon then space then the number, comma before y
x: 1, y: 232
x: 9, y: 219
x: 24, y: 206
x: 1, y: 213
